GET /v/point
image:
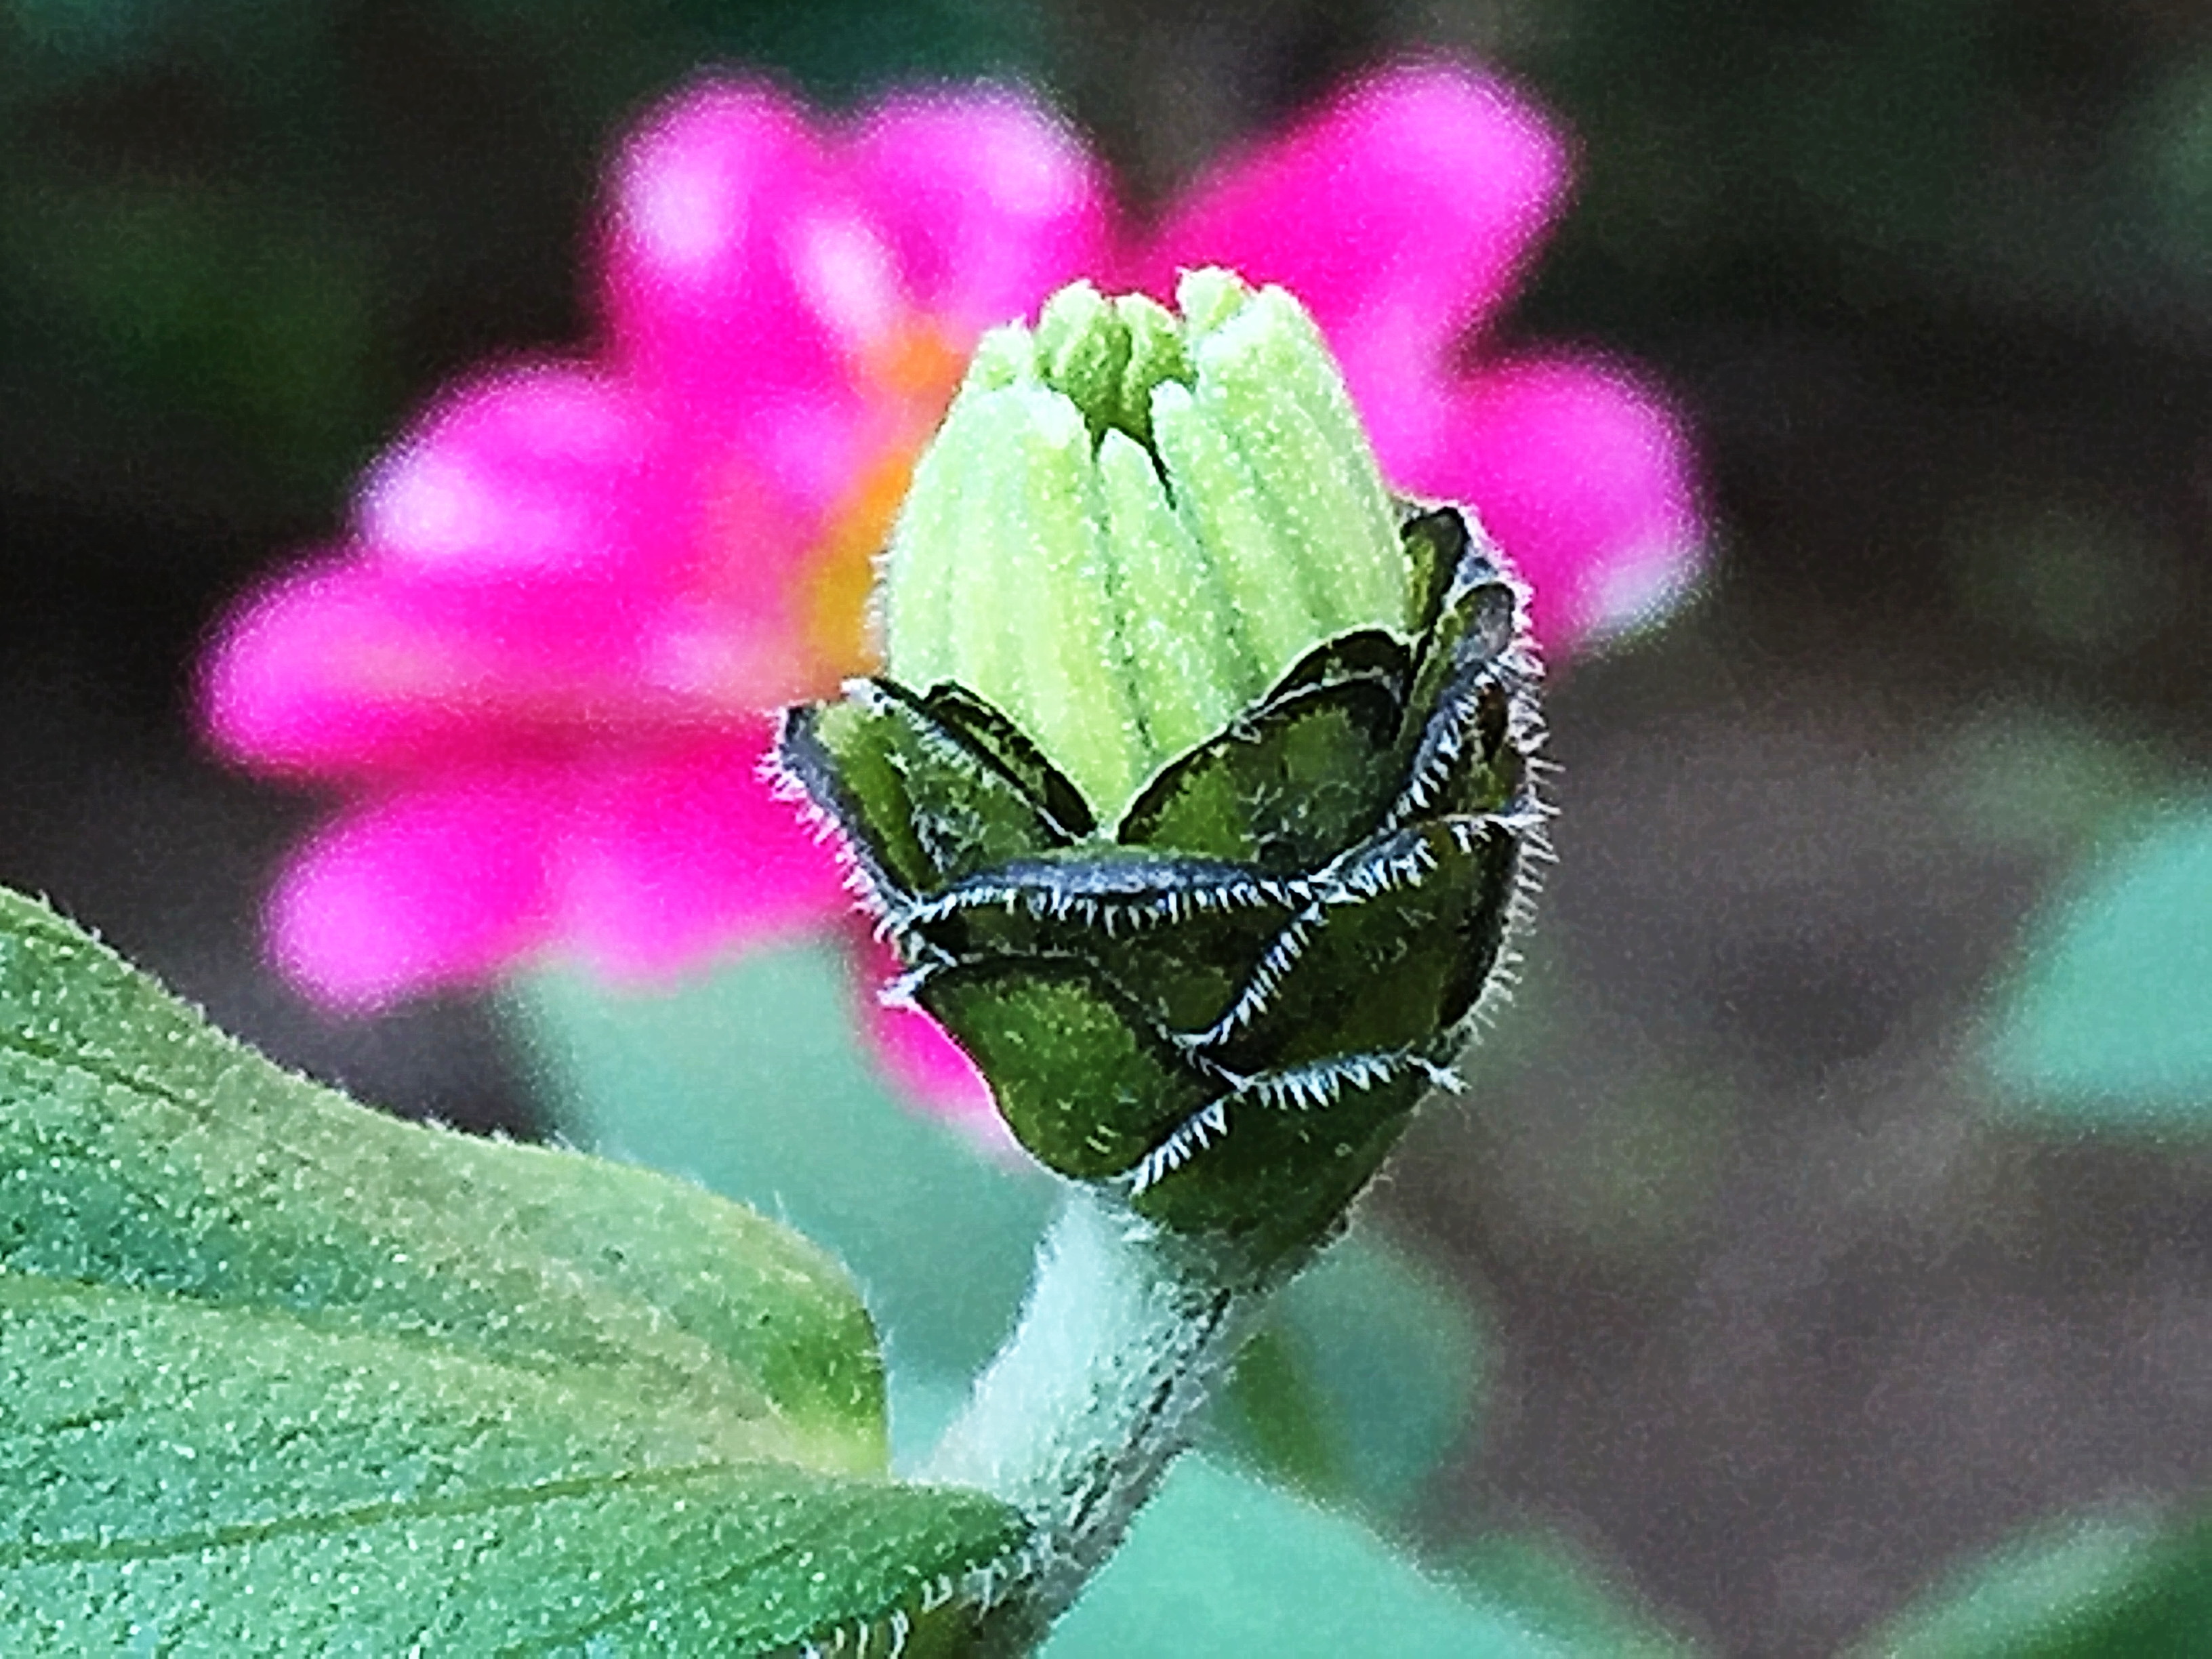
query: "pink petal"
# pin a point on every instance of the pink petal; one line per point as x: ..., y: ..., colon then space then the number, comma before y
x: 670, y: 856
x: 547, y: 471
x: 560, y: 483
x: 440, y: 885
x: 292, y: 681
x: 1401, y: 214
x: 742, y: 279
x: 987, y: 203
x: 367, y: 665
x: 1582, y: 475
x: 345, y: 668
x: 552, y: 519
x: 917, y: 1055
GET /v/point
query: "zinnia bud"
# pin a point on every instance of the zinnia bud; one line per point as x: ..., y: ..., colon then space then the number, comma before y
x: 1198, y: 795
x: 1131, y: 524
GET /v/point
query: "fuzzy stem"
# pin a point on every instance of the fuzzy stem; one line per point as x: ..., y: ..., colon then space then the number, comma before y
x: 1127, y: 1331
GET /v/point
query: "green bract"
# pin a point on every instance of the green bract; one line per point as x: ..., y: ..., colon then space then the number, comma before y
x: 1201, y: 827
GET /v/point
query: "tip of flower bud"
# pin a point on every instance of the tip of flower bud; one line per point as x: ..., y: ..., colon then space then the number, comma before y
x: 1133, y: 520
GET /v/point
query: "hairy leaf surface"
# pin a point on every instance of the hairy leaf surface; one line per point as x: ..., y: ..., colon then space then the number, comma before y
x: 279, y: 1374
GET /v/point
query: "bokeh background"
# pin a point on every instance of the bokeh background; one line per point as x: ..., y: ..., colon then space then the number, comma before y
x: 1837, y: 1198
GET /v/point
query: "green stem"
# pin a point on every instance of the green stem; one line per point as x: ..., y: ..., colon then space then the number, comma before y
x: 1127, y: 1332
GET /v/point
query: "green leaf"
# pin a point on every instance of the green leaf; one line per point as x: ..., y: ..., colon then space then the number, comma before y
x: 239, y: 1480
x: 2108, y: 1024
x: 1283, y: 1158
x: 1186, y: 976
x: 1364, y: 653
x: 142, y: 1148
x: 1382, y: 1363
x: 1362, y: 1380
x: 1549, y: 1583
x: 1220, y: 1566
x: 1474, y: 614
x: 1464, y: 758
x: 278, y: 1374
x: 1465, y: 763
x: 749, y: 1080
x: 2119, y: 1587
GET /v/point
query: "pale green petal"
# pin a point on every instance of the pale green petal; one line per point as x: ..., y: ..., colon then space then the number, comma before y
x: 988, y: 613
x: 1208, y: 299
x: 1156, y: 353
x: 1218, y: 500
x: 1082, y: 349
x: 1180, y: 630
x: 1132, y: 523
x: 921, y: 569
x: 1266, y: 382
x: 1003, y: 357
x: 1076, y: 694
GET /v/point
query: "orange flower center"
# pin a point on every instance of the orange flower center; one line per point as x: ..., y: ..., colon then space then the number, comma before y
x: 913, y: 377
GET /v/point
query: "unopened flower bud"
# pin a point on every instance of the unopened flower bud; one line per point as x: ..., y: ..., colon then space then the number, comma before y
x: 1131, y: 523
x: 1199, y: 793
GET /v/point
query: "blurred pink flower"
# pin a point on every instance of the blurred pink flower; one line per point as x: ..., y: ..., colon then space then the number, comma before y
x: 539, y: 667
x: 1403, y: 214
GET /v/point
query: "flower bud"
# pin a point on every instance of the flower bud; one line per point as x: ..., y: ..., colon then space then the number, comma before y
x: 1199, y: 795
x: 1131, y: 523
